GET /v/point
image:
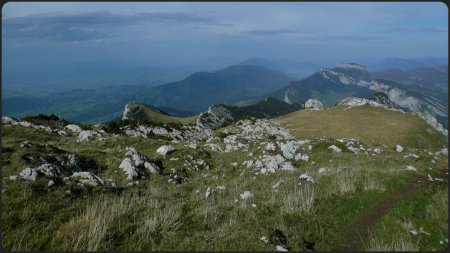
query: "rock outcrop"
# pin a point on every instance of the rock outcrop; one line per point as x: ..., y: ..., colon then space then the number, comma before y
x: 354, y: 101
x: 136, y: 164
x: 45, y: 170
x: 215, y: 117
x: 314, y: 104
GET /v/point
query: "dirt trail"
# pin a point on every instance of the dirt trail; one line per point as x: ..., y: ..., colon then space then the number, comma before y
x: 358, y: 235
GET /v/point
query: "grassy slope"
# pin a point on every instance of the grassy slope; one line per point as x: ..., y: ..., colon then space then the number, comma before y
x: 156, y: 215
x: 368, y: 124
x: 142, y: 111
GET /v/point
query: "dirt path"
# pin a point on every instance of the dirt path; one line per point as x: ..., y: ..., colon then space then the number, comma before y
x: 358, y: 235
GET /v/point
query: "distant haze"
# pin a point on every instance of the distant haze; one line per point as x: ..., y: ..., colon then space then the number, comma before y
x: 48, y: 39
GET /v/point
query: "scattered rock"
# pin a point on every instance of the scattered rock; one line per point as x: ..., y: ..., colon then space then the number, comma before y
x: 264, y: 239
x: 335, y: 148
x: 412, y: 168
x: 25, y: 144
x: 277, y: 184
x: 74, y: 128
x: 303, y: 157
x: 413, y: 232
x: 280, y: 248
x: 50, y: 183
x: 88, y: 178
x: 306, y: 177
x: 398, y: 148
x: 288, y: 149
x: 165, y: 149
x: 323, y: 170
x: 246, y: 195
x: 46, y: 169
x: 208, y: 192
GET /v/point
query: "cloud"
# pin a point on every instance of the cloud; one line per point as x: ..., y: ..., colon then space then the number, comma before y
x: 354, y: 38
x: 415, y: 29
x: 89, y: 26
x: 276, y: 32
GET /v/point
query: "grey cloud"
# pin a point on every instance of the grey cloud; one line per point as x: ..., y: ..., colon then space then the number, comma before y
x: 273, y: 32
x: 354, y: 38
x: 415, y: 29
x: 89, y: 26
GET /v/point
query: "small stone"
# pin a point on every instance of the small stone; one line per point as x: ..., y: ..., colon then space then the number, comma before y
x: 208, y: 192
x: 306, y: 177
x: 246, y: 195
x: 264, y: 239
x: 280, y: 248
x: 50, y: 183
x: 412, y: 168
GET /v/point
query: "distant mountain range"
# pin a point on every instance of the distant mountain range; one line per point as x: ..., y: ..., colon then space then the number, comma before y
x: 421, y: 89
x: 191, y: 95
x: 332, y: 85
x: 200, y: 90
x: 408, y: 64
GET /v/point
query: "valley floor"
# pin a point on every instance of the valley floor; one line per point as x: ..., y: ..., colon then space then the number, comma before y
x: 250, y: 186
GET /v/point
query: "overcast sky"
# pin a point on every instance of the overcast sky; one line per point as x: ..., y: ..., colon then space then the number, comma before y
x: 186, y: 33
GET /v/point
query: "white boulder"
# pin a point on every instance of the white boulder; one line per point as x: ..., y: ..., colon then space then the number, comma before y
x: 164, y: 149
x: 335, y: 148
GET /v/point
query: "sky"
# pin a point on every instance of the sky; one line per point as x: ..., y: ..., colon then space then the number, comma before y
x: 40, y: 34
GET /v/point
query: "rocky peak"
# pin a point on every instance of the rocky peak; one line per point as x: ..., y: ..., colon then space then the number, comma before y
x: 216, y: 116
x: 127, y: 111
x: 352, y: 66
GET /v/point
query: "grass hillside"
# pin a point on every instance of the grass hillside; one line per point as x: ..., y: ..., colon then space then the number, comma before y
x: 154, y: 213
x: 365, y: 123
x: 143, y: 112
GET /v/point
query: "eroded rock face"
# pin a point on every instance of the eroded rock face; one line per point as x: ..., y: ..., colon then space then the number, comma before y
x: 135, y: 164
x: 314, y: 104
x: 216, y: 116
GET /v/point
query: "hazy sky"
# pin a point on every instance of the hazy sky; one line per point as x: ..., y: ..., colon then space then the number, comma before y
x: 186, y: 33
